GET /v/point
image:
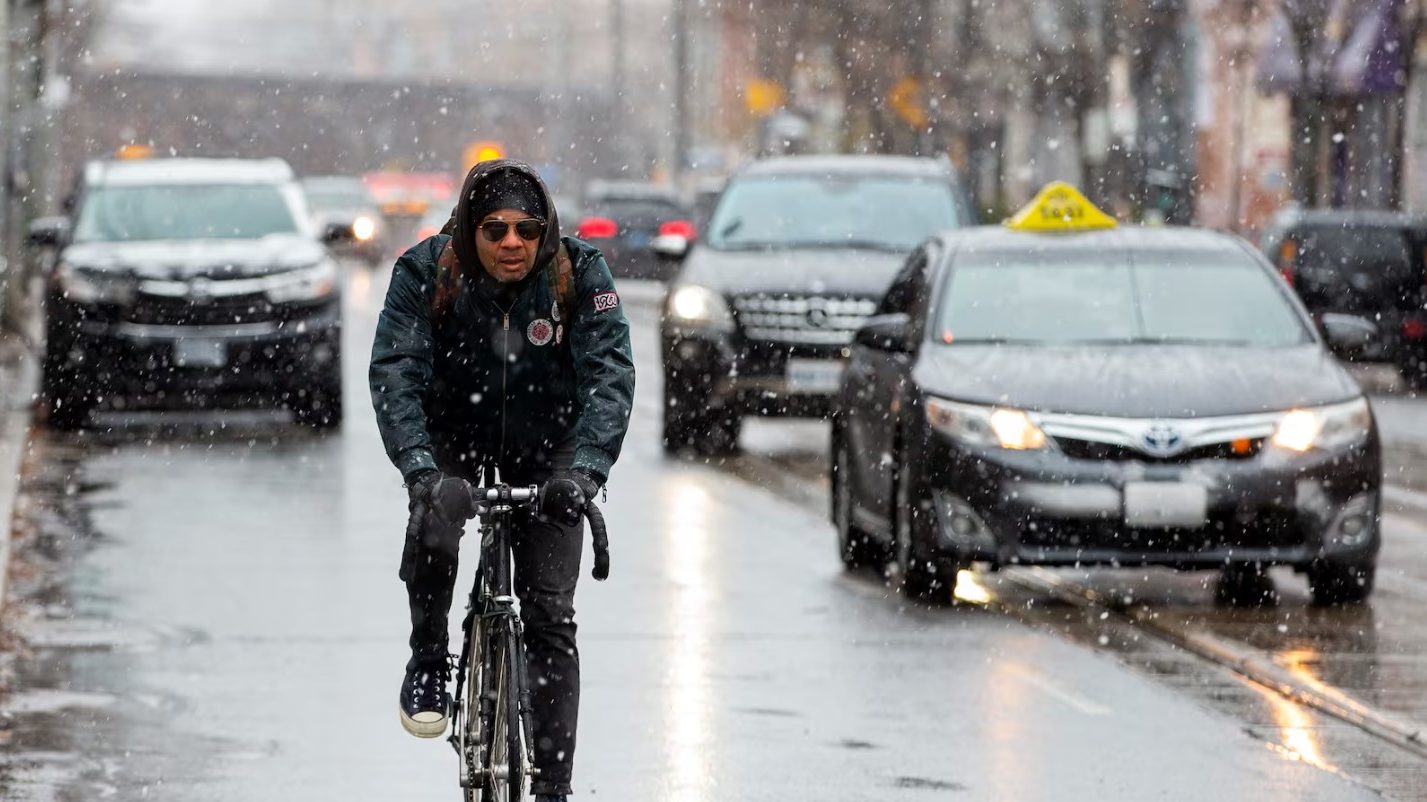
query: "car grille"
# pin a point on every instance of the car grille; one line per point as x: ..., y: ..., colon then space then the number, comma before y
x: 801, y: 319
x: 217, y: 311
x: 1111, y: 452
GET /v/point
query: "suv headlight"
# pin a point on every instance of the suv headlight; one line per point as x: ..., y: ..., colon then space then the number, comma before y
x: 307, y: 284
x: 695, y: 306
x: 85, y: 286
x: 999, y: 427
x: 1328, y: 427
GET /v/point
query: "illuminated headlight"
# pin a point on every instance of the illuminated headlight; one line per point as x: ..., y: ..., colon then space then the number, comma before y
x: 364, y: 228
x: 84, y: 286
x: 306, y: 284
x: 1333, y: 426
x: 1000, y: 427
x: 691, y: 305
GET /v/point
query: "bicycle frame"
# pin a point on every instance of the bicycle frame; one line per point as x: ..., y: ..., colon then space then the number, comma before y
x: 492, y: 604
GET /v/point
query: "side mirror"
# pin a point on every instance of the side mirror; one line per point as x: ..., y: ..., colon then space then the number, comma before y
x: 890, y: 333
x: 338, y: 233
x: 1348, y: 335
x: 670, y: 247
x: 48, y: 232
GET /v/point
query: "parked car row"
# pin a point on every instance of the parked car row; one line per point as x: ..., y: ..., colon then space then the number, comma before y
x: 1059, y: 390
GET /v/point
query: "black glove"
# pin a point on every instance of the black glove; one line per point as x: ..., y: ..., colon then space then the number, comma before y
x: 419, y: 487
x: 562, y: 499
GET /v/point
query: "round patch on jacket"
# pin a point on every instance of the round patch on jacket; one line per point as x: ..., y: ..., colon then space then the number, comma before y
x: 539, y: 332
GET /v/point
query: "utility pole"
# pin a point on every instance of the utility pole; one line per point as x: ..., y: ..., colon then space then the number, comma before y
x: 682, y: 86
x: 617, y: 81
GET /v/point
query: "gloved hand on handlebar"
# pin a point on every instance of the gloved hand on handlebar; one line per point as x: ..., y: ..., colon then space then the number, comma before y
x: 433, y: 493
x: 562, y: 499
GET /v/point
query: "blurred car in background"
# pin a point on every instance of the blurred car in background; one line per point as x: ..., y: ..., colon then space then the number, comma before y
x: 1364, y: 271
x: 431, y: 223
x: 798, y: 253
x: 410, y: 195
x: 344, y: 200
x: 622, y: 219
x: 191, y: 282
x: 1082, y: 394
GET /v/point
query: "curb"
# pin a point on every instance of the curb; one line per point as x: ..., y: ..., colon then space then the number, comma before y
x: 18, y: 381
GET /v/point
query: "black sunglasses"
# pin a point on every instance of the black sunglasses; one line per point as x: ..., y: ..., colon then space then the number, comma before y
x: 528, y: 229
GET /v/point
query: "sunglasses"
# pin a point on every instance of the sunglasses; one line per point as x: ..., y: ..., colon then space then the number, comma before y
x: 528, y: 229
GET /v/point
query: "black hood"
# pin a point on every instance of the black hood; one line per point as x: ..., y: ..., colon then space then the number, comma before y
x: 463, y: 229
x: 1172, y: 381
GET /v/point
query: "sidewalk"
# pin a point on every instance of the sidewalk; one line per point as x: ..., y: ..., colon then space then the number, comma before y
x: 18, y: 374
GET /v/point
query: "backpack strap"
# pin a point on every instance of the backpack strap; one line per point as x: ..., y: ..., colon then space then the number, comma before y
x: 448, y: 272
x: 562, y: 284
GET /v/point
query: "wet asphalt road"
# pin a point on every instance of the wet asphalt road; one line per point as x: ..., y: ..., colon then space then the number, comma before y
x: 211, y: 612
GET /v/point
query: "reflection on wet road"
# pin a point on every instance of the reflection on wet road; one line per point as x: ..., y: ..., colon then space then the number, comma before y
x: 213, y: 614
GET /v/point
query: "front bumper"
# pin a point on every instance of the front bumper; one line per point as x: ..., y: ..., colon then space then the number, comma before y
x: 726, y: 370
x: 1045, y: 508
x: 254, y: 363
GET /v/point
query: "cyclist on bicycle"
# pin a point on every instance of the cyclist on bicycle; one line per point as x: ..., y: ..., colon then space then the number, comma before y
x: 502, y: 345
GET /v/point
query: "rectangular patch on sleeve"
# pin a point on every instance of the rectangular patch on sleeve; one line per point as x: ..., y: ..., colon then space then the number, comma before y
x: 606, y: 301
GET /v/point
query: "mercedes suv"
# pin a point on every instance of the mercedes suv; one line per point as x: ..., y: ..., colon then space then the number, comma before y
x: 798, y: 253
x: 190, y: 282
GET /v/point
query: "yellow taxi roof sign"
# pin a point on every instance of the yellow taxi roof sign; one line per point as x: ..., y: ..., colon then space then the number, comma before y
x: 133, y: 151
x: 1060, y: 207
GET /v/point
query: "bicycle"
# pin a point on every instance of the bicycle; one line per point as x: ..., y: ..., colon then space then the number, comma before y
x: 490, y: 713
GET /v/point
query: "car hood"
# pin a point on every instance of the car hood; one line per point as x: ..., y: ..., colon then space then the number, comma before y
x: 1137, y: 381
x: 180, y: 259
x: 841, y: 271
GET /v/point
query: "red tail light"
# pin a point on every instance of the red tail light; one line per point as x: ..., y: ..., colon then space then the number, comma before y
x: 1414, y: 329
x: 1287, y: 255
x: 597, y: 228
x: 678, y: 228
x: 1287, y: 273
x: 426, y: 232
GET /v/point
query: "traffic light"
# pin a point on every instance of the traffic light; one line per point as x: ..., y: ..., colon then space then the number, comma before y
x: 481, y: 151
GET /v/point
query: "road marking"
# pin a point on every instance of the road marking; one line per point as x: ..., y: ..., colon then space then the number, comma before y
x: 1048, y: 686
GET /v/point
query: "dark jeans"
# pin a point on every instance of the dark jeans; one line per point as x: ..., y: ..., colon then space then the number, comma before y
x: 547, y: 564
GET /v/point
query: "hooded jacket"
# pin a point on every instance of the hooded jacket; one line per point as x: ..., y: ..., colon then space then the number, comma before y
x: 498, y: 376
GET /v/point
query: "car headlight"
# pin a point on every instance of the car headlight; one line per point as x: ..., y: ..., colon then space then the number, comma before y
x: 307, y: 284
x: 364, y: 228
x: 1001, y: 427
x: 1328, y: 427
x: 86, y: 286
x: 692, y: 305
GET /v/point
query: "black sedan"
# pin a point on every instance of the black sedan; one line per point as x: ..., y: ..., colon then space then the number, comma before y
x: 1112, y: 397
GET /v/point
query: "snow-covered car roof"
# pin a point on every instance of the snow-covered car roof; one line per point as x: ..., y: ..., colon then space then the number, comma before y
x: 187, y: 171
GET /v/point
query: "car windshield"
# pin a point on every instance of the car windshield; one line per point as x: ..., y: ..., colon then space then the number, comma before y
x: 337, y: 194
x: 805, y: 211
x: 1068, y: 299
x: 184, y: 211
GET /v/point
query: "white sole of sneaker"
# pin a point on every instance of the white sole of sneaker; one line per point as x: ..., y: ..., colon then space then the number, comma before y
x: 426, y: 724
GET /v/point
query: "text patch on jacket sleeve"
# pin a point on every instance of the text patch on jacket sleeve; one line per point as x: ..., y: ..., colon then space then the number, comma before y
x: 606, y: 301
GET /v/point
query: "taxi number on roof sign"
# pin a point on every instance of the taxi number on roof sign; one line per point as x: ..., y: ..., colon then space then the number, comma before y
x: 1060, y: 207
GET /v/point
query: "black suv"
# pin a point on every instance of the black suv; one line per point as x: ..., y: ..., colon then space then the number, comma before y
x: 190, y: 282
x: 797, y: 254
x: 1362, y: 270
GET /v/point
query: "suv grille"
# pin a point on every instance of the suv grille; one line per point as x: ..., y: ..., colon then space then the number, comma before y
x: 220, y: 311
x: 801, y: 319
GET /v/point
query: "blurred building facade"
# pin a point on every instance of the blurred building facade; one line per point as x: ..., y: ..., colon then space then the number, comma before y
x: 1208, y: 111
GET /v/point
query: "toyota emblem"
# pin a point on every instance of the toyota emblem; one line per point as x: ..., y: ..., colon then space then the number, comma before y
x: 1162, y: 440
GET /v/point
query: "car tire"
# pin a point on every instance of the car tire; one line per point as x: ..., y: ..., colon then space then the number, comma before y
x: 1244, y: 585
x: 919, y: 577
x: 855, y: 546
x: 1334, y: 582
x: 69, y: 395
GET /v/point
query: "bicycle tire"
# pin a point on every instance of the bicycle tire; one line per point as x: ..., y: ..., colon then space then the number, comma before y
x: 498, y: 786
x: 468, y: 718
x: 514, y: 746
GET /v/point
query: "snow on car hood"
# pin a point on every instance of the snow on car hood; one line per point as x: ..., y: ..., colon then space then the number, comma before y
x: 182, y: 259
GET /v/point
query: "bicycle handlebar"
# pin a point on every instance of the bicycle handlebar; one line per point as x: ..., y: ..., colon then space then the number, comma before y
x: 599, y: 535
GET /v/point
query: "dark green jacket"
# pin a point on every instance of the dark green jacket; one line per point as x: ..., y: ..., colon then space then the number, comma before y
x: 496, y: 385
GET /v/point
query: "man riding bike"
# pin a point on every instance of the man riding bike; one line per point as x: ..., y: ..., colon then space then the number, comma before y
x: 502, y: 345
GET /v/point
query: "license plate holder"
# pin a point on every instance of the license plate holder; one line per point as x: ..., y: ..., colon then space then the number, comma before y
x: 199, y: 352
x: 1165, y: 505
x: 814, y: 376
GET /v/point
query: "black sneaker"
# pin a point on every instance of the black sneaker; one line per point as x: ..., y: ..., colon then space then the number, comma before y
x: 424, y: 702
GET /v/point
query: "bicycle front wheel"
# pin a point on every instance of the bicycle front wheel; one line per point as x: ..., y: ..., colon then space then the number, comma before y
x: 504, y: 768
